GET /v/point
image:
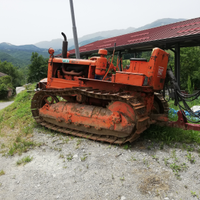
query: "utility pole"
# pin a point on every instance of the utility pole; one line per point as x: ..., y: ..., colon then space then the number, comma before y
x: 74, y: 30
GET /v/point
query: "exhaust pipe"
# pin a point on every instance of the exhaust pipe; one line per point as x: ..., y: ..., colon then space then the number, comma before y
x: 74, y: 30
x: 64, y: 46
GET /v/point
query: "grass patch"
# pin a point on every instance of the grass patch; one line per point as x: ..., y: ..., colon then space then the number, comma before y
x: 24, y: 160
x: 191, y: 158
x: 126, y: 146
x: 69, y: 156
x: 176, y: 168
x: 83, y: 158
x: 169, y: 135
x: 2, y: 173
x: 18, y: 114
x: 16, y: 121
x: 20, y: 146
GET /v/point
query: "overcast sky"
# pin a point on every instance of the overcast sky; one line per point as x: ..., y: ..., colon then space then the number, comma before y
x: 32, y: 21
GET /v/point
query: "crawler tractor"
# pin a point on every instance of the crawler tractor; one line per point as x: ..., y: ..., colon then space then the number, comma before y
x: 94, y: 99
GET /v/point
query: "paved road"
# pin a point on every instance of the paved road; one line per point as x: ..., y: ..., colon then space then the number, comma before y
x: 5, y: 104
x: 19, y: 89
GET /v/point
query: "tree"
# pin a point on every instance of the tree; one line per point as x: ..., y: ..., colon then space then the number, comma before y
x: 37, y: 70
x: 189, y: 66
x: 5, y: 85
x: 13, y: 72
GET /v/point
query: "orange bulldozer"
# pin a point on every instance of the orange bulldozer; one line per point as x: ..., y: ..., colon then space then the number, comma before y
x: 94, y: 99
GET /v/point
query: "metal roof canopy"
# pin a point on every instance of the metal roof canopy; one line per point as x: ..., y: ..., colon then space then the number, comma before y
x: 181, y: 34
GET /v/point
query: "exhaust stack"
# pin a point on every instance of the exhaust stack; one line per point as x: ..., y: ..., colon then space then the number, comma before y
x: 64, y: 46
x: 74, y: 30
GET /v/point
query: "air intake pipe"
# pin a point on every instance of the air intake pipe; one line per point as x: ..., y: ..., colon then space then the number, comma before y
x: 64, y: 46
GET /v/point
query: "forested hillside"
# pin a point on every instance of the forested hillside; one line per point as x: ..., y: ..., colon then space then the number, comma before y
x: 20, y: 55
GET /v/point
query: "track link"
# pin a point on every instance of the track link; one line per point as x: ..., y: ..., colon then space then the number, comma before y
x: 142, y: 120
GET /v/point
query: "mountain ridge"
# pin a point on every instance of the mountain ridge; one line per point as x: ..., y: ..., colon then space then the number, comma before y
x: 57, y: 43
x: 20, y: 55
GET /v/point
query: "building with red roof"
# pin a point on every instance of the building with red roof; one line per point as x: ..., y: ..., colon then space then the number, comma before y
x: 172, y: 36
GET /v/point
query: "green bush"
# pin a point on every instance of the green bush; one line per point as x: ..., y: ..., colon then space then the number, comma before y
x: 5, y: 85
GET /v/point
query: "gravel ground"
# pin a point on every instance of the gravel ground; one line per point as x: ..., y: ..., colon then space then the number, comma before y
x: 73, y: 168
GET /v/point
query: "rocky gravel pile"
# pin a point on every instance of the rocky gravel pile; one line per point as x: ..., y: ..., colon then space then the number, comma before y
x: 66, y: 167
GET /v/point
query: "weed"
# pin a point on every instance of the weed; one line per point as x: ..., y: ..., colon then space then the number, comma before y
x: 177, y: 168
x: 189, y: 148
x: 122, y: 178
x: 146, y: 162
x: 2, y: 173
x: 184, y: 146
x: 12, y: 125
x: 126, y: 146
x: 3, y: 146
x: 78, y: 143
x: 174, y: 155
x: 166, y: 161
x: 18, y: 139
x: 84, y: 157
x: 194, y: 194
x: 66, y: 140
x: 69, y: 156
x: 191, y: 158
x: 0, y: 184
x: 149, y: 147
x: 20, y: 147
x: 132, y: 159
x: 57, y: 149
x: 161, y: 145
x: 52, y: 134
x: 24, y: 160
x: 61, y: 156
x: 112, y: 176
x: 155, y: 157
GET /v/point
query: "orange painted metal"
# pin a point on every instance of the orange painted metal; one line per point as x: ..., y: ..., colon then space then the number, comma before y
x: 88, y: 115
x: 129, y: 78
x: 139, y: 82
x: 155, y: 69
x: 122, y: 107
x: 101, y: 97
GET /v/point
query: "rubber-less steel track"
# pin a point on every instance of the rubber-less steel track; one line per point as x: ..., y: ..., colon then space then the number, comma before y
x: 142, y: 120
